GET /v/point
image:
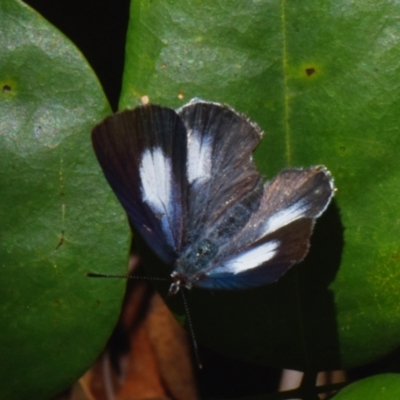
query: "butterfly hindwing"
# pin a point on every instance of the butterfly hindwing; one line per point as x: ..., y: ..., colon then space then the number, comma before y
x: 263, y: 262
x: 277, y: 234
x: 143, y: 155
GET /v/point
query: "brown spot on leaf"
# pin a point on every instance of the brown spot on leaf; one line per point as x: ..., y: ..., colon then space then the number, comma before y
x: 310, y: 71
x: 7, y: 88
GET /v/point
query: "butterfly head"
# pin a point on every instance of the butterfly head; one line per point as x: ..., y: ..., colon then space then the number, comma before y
x: 193, y: 263
x: 179, y: 281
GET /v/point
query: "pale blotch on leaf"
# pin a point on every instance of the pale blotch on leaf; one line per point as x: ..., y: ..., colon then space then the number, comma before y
x: 145, y: 100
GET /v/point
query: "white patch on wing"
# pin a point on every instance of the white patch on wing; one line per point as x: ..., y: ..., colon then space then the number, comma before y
x: 284, y: 217
x: 199, y: 157
x: 249, y: 259
x: 156, y: 180
x: 155, y: 175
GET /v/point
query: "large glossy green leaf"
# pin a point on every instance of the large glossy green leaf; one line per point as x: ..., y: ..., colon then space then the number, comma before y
x: 322, y: 79
x: 59, y: 219
x: 385, y: 386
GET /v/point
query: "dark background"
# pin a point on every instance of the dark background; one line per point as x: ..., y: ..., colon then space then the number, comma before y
x: 98, y: 29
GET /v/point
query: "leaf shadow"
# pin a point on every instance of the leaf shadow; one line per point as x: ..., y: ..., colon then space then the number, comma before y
x: 289, y: 324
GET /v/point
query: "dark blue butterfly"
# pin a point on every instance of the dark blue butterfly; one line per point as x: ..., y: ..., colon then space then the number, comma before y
x: 187, y: 180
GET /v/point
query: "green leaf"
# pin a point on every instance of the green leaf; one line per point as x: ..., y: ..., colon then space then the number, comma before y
x: 321, y: 79
x: 385, y: 386
x: 59, y: 219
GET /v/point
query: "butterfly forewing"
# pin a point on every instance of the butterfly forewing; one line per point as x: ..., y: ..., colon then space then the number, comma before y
x: 143, y: 155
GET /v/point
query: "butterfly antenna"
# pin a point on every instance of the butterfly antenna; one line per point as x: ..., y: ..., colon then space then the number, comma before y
x: 148, y: 278
x: 194, y: 341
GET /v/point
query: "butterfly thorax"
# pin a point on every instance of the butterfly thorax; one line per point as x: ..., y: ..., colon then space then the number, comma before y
x: 192, y: 265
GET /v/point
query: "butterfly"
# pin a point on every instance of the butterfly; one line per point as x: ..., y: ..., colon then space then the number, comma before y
x: 189, y: 185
